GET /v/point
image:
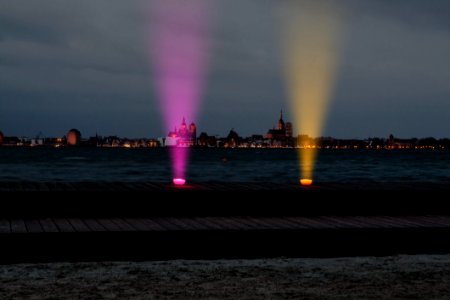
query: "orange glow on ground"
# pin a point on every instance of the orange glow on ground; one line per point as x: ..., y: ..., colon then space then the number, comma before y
x: 306, y: 182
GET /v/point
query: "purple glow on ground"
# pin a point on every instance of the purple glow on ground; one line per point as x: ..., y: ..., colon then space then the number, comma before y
x: 179, y: 181
x: 179, y: 46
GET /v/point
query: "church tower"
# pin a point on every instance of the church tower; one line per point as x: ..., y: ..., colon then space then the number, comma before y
x: 280, y: 124
x: 193, y: 132
x: 183, y: 131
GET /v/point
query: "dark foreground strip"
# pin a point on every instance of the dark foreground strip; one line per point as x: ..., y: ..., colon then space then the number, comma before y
x: 97, y: 199
x: 79, y: 239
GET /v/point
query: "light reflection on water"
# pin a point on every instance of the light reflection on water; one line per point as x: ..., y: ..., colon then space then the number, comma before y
x: 250, y: 165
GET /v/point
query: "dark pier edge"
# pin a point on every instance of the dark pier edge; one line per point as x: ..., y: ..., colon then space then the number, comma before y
x: 102, y: 199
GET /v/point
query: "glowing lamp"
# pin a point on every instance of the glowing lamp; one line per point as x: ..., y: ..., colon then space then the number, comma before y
x: 306, y: 182
x: 179, y: 181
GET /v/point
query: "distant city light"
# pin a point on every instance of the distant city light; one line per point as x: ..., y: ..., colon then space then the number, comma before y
x: 306, y: 182
x: 179, y: 181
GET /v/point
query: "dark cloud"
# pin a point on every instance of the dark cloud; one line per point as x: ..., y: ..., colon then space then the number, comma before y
x: 394, y: 71
x: 85, y: 64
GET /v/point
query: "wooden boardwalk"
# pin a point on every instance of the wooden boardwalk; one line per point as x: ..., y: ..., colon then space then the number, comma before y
x: 148, y: 238
x: 92, y: 225
x: 161, y: 238
x: 140, y: 221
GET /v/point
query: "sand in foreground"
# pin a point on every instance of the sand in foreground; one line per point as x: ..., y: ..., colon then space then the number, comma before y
x: 420, y: 276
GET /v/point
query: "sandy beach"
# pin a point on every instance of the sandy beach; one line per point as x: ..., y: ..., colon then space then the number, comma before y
x: 413, y: 277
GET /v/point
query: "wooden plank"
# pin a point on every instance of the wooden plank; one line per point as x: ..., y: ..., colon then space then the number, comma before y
x: 366, y: 222
x: 63, y: 225
x: 109, y: 225
x: 123, y: 225
x: 18, y: 226
x: 379, y: 221
x: 390, y: 222
x: 344, y: 222
x: 196, y: 225
x: 277, y: 223
x: 338, y: 223
x: 253, y: 223
x: 207, y: 222
x: 154, y: 225
x: 414, y: 223
x: 371, y: 221
x: 356, y: 222
x: 444, y: 220
x: 163, y: 222
x: 232, y: 223
x: 402, y: 220
x: 262, y: 223
x: 94, y: 225
x: 139, y: 224
x: 78, y: 225
x: 5, y: 226
x: 296, y: 224
x: 33, y: 225
x: 428, y: 222
x: 286, y: 223
x: 246, y: 221
x: 179, y: 223
x: 312, y: 223
x: 48, y: 225
x: 225, y: 223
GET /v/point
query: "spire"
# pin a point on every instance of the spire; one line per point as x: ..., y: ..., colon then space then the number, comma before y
x: 280, y: 124
x: 184, y: 121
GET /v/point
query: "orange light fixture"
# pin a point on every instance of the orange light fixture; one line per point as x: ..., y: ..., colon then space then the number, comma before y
x: 306, y: 182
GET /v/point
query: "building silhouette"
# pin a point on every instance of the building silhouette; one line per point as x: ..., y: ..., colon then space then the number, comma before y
x: 233, y: 139
x: 281, y: 135
x: 183, y: 137
x: 205, y: 140
x: 289, y: 130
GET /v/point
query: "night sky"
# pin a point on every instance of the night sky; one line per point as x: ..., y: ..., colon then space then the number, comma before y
x: 87, y: 64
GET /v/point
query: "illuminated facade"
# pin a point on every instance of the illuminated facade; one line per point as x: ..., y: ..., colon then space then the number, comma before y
x: 73, y: 137
x: 183, y: 137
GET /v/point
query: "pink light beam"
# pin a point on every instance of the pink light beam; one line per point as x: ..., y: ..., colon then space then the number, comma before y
x: 179, y: 48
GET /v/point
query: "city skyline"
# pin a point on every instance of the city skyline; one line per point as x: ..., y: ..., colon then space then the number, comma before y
x: 87, y: 65
x: 189, y: 129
